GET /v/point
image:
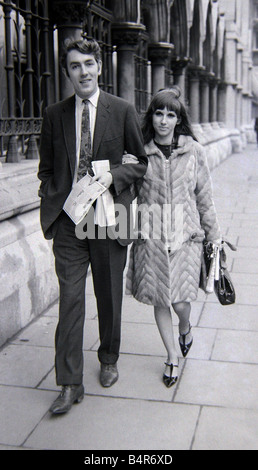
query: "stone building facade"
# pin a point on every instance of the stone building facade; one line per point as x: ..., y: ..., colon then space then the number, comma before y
x: 204, y: 46
x: 254, y: 25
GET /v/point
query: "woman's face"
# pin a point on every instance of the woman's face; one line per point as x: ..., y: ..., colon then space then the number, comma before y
x: 164, y: 123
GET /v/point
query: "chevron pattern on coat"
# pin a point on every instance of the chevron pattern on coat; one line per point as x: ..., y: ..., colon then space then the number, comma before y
x: 154, y: 276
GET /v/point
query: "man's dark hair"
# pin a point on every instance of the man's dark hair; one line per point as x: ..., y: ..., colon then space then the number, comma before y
x: 85, y: 46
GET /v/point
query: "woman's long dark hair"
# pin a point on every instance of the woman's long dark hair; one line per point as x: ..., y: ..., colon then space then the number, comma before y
x: 167, y: 98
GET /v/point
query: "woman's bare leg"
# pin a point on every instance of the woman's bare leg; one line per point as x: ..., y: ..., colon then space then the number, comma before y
x: 164, y: 323
x: 183, y: 310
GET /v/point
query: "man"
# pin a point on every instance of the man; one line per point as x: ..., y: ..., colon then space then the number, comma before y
x: 75, y: 133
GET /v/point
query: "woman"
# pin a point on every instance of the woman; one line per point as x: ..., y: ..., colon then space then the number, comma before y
x: 175, y: 213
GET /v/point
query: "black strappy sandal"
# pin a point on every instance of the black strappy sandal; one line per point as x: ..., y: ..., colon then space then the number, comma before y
x: 170, y: 380
x: 185, y: 348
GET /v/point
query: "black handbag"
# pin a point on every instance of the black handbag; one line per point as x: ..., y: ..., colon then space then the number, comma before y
x: 223, y: 286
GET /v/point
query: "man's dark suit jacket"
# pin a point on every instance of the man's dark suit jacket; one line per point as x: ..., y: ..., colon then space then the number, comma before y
x: 116, y: 130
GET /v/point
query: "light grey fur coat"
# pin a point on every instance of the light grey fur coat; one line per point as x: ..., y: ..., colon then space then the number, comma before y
x: 175, y: 193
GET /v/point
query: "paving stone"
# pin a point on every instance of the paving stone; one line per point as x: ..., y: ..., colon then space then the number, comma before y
x: 25, y: 365
x: 227, y: 346
x: 245, y: 265
x: 247, y: 241
x: 249, y: 253
x: 214, y: 383
x: 216, y: 425
x: 244, y: 279
x: 245, y: 295
x: 233, y: 317
x: 136, y: 424
x: 39, y: 333
x: 250, y: 232
x: 21, y: 410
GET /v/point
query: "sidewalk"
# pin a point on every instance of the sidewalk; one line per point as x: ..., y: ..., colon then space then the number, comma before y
x: 214, y: 404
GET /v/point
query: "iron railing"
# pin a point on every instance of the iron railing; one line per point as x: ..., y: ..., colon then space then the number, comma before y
x: 26, y: 87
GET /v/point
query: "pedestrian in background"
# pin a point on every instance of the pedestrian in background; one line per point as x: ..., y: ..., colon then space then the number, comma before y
x: 165, y: 271
x: 256, y: 129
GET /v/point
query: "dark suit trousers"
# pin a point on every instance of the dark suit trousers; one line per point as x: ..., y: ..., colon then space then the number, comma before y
x: 72, y: 259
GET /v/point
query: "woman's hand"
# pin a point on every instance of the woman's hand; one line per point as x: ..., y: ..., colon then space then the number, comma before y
x: 129, y: 158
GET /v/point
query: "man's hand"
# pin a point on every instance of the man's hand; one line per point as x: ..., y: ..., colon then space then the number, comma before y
x: 106, y: 179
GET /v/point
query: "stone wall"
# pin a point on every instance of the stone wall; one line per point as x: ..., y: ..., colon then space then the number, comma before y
x: 28, y: 281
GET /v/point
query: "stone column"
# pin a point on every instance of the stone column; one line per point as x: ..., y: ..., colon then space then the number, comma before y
x: 230, y: 105
x: 194, y: 98
x: 230, y: 76
x: 205, y: 98
x: 245, y: 93
x: 126, y: 36
x: 213, y: 100
x: 222, y: 102
x: 239, y: 106
x: 239, y: 88
x: 159, y: 54
x: 126, y: 10
x: 179, y: 73
x: 157, y: 19
x: 194, y: 92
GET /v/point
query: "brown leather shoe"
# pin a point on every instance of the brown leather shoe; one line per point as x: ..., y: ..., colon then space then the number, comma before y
x: 108, y: 374
x: 69, y: 395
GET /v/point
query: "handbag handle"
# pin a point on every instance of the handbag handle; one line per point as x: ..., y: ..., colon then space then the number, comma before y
x: 231, y: 246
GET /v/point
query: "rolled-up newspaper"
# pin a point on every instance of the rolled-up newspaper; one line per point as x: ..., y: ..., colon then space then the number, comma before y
x: 81, y: 198
x: 105, y: 209
x: 213, y: 271
x: 217, y: 265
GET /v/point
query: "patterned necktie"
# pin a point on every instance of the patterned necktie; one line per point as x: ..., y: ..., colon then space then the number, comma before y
x: 85, y: 160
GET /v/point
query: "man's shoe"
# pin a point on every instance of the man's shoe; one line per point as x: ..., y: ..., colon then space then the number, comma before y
x: 69, y: 395
x: 108, y: 374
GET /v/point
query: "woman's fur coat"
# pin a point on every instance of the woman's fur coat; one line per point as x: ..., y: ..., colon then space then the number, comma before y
x: 175, y: 193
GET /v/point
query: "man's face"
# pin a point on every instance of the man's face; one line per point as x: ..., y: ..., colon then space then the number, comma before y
x: 83, y: 71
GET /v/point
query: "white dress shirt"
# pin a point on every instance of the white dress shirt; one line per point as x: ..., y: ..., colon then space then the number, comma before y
x: 93, y: 103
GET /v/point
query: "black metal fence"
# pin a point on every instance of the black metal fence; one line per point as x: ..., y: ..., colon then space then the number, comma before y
x: 25, y: 86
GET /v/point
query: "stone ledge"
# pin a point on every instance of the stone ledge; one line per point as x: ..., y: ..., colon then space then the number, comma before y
x: 18, y: 227
x: 28, y: 281
x: 18, y: 188
x: 217, y: 140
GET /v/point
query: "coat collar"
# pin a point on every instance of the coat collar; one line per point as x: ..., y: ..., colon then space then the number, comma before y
x: 185, y: 143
